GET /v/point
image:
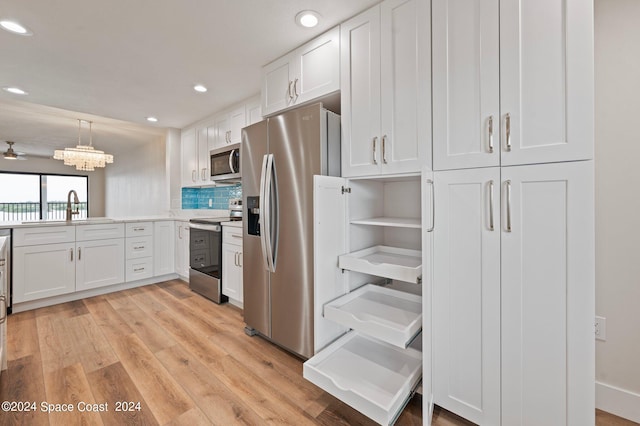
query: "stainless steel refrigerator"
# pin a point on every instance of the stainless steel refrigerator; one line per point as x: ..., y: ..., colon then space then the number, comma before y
x: 279, y: 157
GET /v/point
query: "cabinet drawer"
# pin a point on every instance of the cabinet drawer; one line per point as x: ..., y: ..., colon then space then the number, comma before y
x: 43, y: 235
x: 99, y: 232
x: 138, y: 269
x: 232, y: 235
x: 135, y: 229
x: 139, y: 247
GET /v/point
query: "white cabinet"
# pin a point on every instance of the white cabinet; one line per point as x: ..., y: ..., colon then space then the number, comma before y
x: 139, y: 243
x: 41, y: 271
x: 5, y: 265
x: 307, y: 73
x: 513, y: 294
x: 232, y: 263
x: 182, y: 249
x: 253, y: 112
x: 386, y: 89
x: 512, y: 82
x: 228, y: 126
x: 163, y: 248
x: 382, y: 351
x: 195, y: 156
x: 466, y: 294
x: 99, y: 263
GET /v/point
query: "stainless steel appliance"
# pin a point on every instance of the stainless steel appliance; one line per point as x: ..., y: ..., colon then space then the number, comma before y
x: 279, y: 158
x: 205, y: 258
x: 225, y: 163
x: 235, y: 208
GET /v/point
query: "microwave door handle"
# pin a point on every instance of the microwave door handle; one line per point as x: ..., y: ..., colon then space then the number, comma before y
x: 231, y: 161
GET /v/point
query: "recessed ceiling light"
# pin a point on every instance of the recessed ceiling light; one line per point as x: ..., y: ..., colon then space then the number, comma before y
x: 15, y: 90
x: 199, y: 88
x: 15, y: 27
x: 152, y: 119
x: 308, y: 18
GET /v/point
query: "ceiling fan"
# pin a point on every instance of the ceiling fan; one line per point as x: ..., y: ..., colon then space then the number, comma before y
x: 10, y: 154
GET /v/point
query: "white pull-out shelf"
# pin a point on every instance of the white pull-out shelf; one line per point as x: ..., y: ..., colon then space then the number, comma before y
x: 386, y: 314
x: 388, y: 262
x: 371, y: 376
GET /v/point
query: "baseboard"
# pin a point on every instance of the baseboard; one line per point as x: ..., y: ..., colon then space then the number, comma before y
x: 621, y: 402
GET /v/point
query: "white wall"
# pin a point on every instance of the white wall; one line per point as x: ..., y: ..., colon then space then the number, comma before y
x: 173, y: 166
x: 136, y: 183
x: 617, y: 159
x: 47, y: 165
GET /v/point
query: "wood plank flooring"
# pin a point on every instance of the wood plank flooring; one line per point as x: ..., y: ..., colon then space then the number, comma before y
x: 185, y: 359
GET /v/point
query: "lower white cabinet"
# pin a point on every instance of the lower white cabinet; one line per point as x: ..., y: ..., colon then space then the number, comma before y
x: 99, y: 263
x: 182, y: 249
x: 368, y: 274
x: 232, y: 263
x: 42, y: 271
x: 513, y: 294
x: 163, y: 248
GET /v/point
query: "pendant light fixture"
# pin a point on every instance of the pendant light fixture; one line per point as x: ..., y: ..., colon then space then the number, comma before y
x: 83, y: 157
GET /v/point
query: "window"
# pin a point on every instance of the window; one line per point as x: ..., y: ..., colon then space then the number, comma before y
x: 31, y: 196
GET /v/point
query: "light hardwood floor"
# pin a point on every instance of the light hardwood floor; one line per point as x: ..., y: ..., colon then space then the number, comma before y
x: 185, y: 359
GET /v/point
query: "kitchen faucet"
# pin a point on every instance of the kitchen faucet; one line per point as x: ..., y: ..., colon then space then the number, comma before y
x: 76, y: 202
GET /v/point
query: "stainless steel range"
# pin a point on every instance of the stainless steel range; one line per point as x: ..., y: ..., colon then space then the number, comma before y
x: 205, y: 258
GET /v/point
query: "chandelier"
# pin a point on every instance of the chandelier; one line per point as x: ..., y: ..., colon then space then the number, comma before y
x: 83, y: 157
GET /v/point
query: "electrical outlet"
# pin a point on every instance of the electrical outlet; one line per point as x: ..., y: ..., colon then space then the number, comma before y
x: 210, y: 202
x: 600, y: 328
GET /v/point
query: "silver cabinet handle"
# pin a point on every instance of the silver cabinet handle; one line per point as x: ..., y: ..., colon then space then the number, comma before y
x: 3, y: 300
x: 289, y: 91
x: 193, y: 175
x: 295, y: 88
x: 508, y: 195
x: 507, y: 119
x: 491, y: 228
x: 228, y: 136
x: 138, y: 269
x: 239, y: 260
x: 71, y: 252
x: 3, y: 262
x: 204, y: 174
x: 139, y: 229
x: 384, y: 152
x: 490, y: 134
x: 433, y: 206
x: 375, y: 141
x: 179, y: 232
x: 138, y: 248
x: 236, y: 236
x: 79, y: 253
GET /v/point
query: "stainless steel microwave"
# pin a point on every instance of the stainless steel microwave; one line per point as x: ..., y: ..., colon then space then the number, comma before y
x: 225, y: 163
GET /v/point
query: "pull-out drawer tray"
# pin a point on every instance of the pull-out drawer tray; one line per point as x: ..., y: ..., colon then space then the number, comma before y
x: 389, y: 262
x: 371, y: 376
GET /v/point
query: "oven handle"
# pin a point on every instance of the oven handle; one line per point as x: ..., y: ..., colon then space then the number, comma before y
x: 214, y: 228
x: 231, y: 161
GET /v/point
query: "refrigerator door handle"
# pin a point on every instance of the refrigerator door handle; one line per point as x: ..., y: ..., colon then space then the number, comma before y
x: 270, y: 188
x: 261, y: 219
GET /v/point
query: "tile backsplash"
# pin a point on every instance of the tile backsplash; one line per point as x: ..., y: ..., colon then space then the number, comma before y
x: 198, y: 198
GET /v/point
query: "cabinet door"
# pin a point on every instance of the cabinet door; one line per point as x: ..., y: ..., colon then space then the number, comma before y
x: 406, y: 85
x: 254, y: 113
x: 466, y: 92
x: 204, y: 176
x: 237, y: 120
x: 221, y: 131
x: 231, y: 271
x: 318, y: 67
x: 99, y: 263
x: 548, y: 294
x: 43, y: 271
x: 360, y: 96
x: 182, y: 249
x: 163, y: 248
x: 546, y: 87
x: 277, y: 78
x: 466, y: 294
x: 188, y: 149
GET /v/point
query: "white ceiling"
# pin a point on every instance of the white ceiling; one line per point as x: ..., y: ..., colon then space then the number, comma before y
x: 118, y: 61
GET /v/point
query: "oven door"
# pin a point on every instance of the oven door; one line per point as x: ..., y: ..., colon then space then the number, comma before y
x: 205, y: 261
x: 225, y: 163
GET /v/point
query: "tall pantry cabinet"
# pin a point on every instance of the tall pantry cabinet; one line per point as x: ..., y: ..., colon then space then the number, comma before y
x: 513, y: 277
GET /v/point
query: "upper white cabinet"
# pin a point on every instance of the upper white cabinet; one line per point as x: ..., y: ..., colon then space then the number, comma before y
x: 228, y: 126
x: 512, y: 82
x: 311, y: 71
x: 195, y: 156
x: 386, y: 89
x: 253, y: 112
